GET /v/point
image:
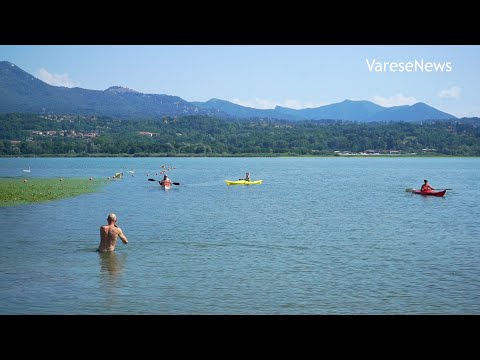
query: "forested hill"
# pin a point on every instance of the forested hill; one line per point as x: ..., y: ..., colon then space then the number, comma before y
x: 22, y: 92
x: 349, y: 110
x: 22, y: 134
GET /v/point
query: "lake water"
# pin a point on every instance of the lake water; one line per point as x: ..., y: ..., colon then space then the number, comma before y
x: 319, y: 236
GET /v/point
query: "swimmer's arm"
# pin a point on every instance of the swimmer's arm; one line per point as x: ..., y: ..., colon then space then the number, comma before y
x: 122, y: 236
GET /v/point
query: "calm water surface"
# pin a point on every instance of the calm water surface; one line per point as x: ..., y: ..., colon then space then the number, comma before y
x: 319, y: 236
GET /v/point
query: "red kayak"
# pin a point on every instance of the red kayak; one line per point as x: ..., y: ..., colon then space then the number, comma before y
x: 431, y: 192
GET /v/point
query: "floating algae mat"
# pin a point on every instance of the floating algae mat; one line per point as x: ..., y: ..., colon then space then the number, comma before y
x: 17, y: 191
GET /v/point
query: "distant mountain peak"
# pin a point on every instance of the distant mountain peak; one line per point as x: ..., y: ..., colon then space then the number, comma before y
x: 215, y: 100
x: 349, y: 110
x: 121, y: 90
x: 420, y: 104
x: 349, y: 101
x: 10, y: 71
x: 6, y: 63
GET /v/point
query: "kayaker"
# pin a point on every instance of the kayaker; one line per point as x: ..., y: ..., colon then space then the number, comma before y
x: 109, y: 234
x: 247, y: 176
x: 426, y: 186
x: 166, y: 181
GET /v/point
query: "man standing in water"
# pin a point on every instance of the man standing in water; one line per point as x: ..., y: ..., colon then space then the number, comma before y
x: 109, y: 234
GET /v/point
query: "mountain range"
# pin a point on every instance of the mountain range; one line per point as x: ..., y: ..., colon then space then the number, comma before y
x: 22, y: 92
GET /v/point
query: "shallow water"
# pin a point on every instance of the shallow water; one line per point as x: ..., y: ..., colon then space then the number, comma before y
x: 319, y: 236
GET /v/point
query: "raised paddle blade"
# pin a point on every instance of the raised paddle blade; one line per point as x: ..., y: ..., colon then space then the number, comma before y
x: 175, y: 183
x: 152, y: 180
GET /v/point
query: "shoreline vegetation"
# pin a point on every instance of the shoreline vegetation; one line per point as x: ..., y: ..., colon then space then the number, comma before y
x: 161, y: 155
x: 21, y: 191
x: 201, y: 136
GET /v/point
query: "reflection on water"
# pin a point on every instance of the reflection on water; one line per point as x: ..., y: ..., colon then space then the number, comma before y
x: 111, y: 263
x: 111, y: 267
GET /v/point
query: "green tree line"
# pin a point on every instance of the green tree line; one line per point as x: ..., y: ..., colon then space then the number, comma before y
x: 200, y: 135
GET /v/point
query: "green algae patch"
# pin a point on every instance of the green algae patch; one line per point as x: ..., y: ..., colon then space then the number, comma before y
x: 18, y: 191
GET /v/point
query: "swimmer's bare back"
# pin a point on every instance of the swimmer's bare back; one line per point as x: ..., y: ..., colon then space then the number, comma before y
x: 108, y: 237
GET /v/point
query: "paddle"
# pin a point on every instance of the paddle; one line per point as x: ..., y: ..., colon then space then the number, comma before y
x: 174, y: 183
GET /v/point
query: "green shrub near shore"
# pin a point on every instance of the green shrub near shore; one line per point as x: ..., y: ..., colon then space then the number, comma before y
x: 18, y: 191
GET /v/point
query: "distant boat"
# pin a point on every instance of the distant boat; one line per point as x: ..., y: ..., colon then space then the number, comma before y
x: 243, y: 182
x: 27, y: 170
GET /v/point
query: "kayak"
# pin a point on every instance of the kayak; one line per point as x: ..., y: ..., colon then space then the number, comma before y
x: 243, y: 182
x: 430, y: 192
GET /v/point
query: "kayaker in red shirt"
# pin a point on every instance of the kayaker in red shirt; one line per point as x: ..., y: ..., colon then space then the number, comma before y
x: 426, y: 186
x: 166, y: 181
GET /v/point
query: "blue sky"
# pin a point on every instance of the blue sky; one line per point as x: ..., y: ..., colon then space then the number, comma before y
x: 262, y: 76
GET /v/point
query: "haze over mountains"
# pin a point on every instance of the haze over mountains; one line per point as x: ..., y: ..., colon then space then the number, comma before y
x: 22, y: 92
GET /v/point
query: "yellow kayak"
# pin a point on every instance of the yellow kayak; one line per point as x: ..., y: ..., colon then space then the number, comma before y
x: 243, y: 182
